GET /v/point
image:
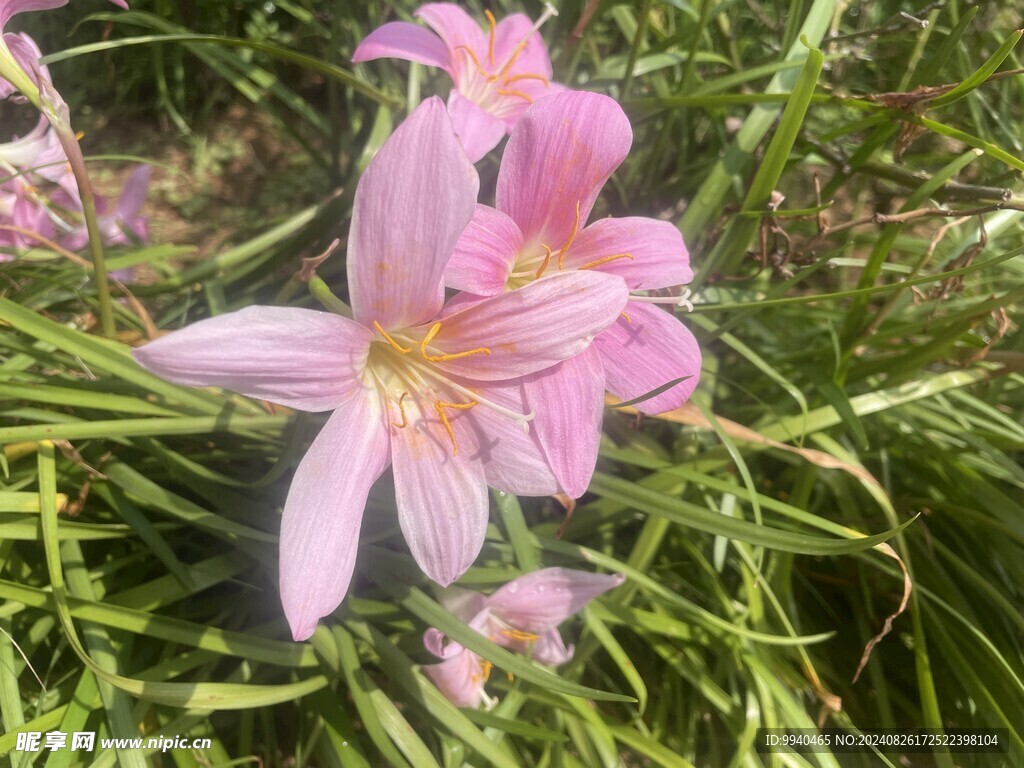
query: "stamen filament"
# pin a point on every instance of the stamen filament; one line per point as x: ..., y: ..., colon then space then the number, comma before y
x: 476, y: 61
x: 442, y: 357
x: 516, y: 78
x: 572, y: 236
x: 519, y: 418
x: 516, y: 634
x: 517, y: 94
x: 429, y: 337
x: 547, y: 260
x: 605, y: 260
x: 490, y: 42
x: 549, y: 11
x: 391, y: 341
x: 515, y: 55
x: 458, y: 355
x: 439, y: 407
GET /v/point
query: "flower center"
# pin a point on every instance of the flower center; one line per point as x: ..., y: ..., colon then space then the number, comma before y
x: 405, y: 364
x: 494, y: 87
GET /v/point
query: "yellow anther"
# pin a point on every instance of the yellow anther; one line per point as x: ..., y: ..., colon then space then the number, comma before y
x: 516, y: 634
x: 490, y: 42
x: 516, y: 78
x: 439, y: 407
x: 401, y: 409
x: 444, y: 358
x: 605, y: 260
x: 544, y: 265
x: 572, y: 236
x: 485, y: 669
x: 392, y: 342
x: 517, y: 94
x: 80, y: 135
x: 627, y: 318
x: 429, y: 337
x: 476, y: 61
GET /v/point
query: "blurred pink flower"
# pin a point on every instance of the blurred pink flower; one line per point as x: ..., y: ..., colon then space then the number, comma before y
x: 561, y: 153
x: 411, y: 386
x: 125, y: 225
x: 19, y: 54
x: 523, y: 616
x: 496, y: 74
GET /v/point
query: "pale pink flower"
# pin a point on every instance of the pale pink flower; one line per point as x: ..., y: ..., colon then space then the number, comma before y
x: 18, y: 53
x: 435, y: 395
x: 561, y: 153
x: 523, y: 616
x: 496, y: 74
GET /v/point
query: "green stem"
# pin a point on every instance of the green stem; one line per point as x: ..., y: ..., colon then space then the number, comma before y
x: 49, y: 102
x: 323, y: 294
x: 634, y: 53
x: 69, y: 142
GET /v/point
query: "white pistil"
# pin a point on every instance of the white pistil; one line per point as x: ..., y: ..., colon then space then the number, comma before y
x: 682, y: 300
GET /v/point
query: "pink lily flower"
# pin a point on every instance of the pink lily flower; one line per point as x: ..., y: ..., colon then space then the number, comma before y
x: 125, y: 224
x: 433, y: 394
x: 18, y: 53
x: 523, y: 616
x: 561, y: 153
x: 496, y: 75
x: 20, y: 207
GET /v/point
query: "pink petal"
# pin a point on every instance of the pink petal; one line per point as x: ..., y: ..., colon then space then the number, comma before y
x: 660, y: 258
x: 459, y: 678
x: 648, y: 351
x: 561, y: 153
x: 550, y: 649
x: 434, y: 641
x: 324, y: 509
x: 539, y: 601
x: 514, y: 461
x: 454, y: 26
x: 414, y: 200
x: 9, y: 8
x: 532, y: 59
x: 568, y: 402
x: 478, y: 130
x: 525, y: 330
x: 402, y: 40
x: 23, y: 151
x: 485, y: 253
x: 133, y: 196
x: 300, y: 358
x: 546, y: 648
x: 26, y: 55
x: 441, y: 497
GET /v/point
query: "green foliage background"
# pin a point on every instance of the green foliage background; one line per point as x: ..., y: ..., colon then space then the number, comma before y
x: 886, y: 351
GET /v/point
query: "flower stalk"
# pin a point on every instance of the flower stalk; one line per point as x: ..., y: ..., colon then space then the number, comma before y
x: 56, y: 110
